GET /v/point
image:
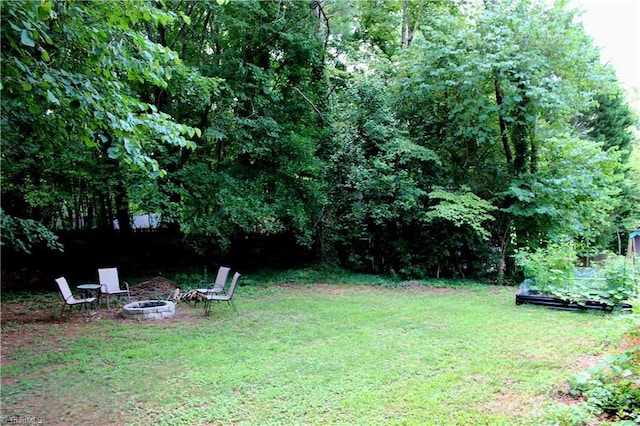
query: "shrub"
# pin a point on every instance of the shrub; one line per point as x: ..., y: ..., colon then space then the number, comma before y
x: 571, y: 415
x: 621, y: 278
x: 549, y: 267
x: 613, y: 387
x: 552, y: 270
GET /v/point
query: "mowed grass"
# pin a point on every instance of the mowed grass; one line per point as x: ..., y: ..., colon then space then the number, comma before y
x: 304, y: 354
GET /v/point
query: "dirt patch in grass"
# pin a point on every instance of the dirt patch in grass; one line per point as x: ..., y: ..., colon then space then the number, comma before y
x: 44, y: 309
x: 629, y: 342
x: 511, y: 403
x: 26, y: 324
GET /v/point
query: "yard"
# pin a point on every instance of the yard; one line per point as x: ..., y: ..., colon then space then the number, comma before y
x: 299, y: 354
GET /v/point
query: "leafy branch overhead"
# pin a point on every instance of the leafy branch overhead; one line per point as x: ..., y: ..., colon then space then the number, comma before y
x: 462, y: 208
x: 75, y: 68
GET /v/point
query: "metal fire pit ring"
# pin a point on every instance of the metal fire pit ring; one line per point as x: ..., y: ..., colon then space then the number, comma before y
x: 149, y: 309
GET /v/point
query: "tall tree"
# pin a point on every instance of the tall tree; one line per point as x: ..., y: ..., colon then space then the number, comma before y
x: 488, y: 88
x: 394, y: 131
x: 69, y: 70
x: 259, y: 98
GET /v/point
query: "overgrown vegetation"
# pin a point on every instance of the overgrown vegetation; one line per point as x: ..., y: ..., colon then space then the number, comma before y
x: 417, y: 139
x: 609, y: 391
x: 554, y: 270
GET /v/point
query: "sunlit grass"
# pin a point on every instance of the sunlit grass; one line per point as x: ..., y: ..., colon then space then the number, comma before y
x: 307, y: 354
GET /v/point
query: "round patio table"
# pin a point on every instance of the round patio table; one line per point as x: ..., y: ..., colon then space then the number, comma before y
x: 91, y: 290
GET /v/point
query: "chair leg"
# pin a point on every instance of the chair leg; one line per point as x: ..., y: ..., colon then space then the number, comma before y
x: 233, y: 305
x: 207, y: 306
x: 108, y: 307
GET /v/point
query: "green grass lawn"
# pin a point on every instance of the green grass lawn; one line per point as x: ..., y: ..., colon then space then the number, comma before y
x: 302, y: 354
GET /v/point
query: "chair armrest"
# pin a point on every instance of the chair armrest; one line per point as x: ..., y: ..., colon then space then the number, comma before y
x: 208, y: 284
x: 126, y: 284
x: 210, y: 290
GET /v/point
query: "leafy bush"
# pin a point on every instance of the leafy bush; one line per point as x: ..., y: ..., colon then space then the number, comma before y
x: 571, y: 415
x: 622, y: 279
x: 552, y: 270
x: 549, y: 267
x: 613, y: 387
x: 23, y: 234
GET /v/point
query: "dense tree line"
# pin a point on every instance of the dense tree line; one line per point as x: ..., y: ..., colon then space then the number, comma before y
x: 422, y: 138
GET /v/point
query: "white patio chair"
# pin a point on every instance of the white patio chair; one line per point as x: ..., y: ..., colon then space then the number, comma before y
x: 110, y: 285
x: 71, y: 301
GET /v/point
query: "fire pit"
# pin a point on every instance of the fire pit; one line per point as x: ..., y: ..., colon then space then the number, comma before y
x: 149, y: 309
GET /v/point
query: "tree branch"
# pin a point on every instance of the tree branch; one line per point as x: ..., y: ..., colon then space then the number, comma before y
x: 315, y: 108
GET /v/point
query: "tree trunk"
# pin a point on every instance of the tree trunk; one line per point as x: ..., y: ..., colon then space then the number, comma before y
x: 405, y: 24
x: 520, y: 135
x: 503, y: 125
x: 533, y: 161
x: 504, y: 247
x: 122, y: 208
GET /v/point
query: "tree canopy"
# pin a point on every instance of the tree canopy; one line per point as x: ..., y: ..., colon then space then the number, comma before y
x: 422, y: 138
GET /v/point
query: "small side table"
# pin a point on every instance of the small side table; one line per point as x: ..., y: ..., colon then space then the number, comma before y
x: 91, y: 290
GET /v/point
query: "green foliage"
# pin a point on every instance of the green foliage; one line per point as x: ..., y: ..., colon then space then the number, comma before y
x: 23, y: 234
x: 612, y: 387
x: 610, y: 122
x: 72, y: 66
x: 564, y: 199
x: 628, y: 217
x: 492, y: 91
x: 72, y: 113
x: 551, y: 267
x: 570, y: 415
x: 379, y: 178
x: 382, y: 133
x: 552, y: 270
x: 622, y: 279
x: 461, y: 209
x: 378, y: 25
x: 257, y: 170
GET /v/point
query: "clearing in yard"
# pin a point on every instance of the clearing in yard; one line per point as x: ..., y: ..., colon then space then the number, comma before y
x: 298, y: 354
